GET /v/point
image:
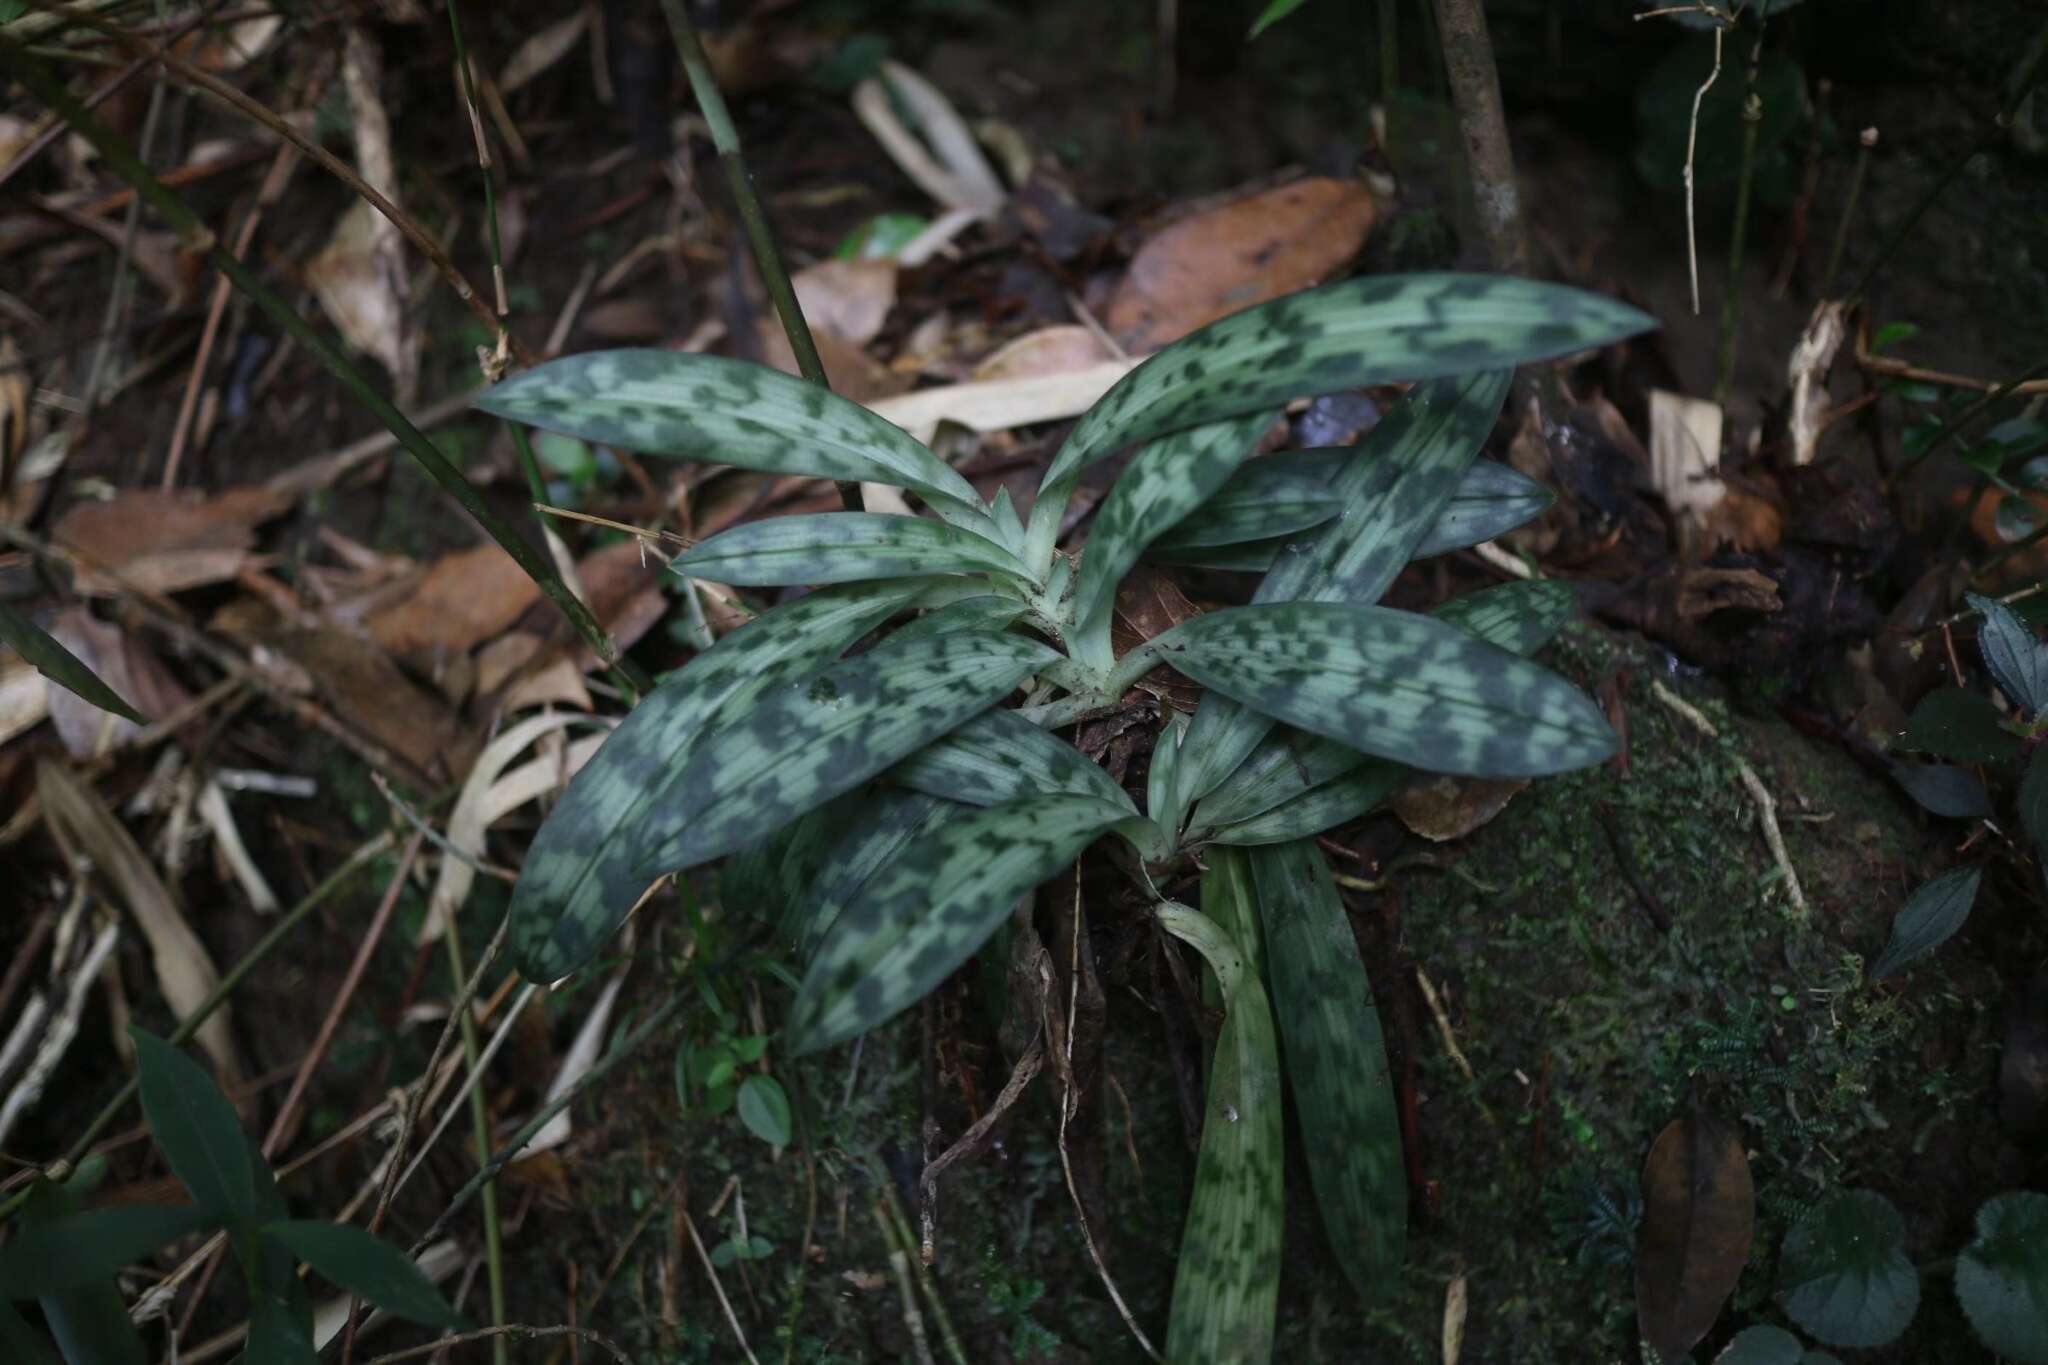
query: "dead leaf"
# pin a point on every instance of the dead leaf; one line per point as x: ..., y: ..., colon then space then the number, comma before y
x: 1685, y: 452
x: 852, y: 372
x: 1457, y: 1303
x: 1003, y: 404
x: 1226, y: 259
x: 1702, y: 592
x: 24, y: 697
x: 2023, y: 1066
x: 225, y: 48
x: 1749, y: 523
x: 184, y: 969
x: 1149, y: 603
x: 849, y: 298
x: 1047, y: 351
x: 485, y: 799
x: 942, y: 157
x: 1699, y: 1212
x: 633, y: 318
x: 124, y: 665
x: 153, y: 541
x: 464, y: 599
x: 1446, y: 808
x: 1808, y: 372
x: 363, y: 295
x: 542, y: 50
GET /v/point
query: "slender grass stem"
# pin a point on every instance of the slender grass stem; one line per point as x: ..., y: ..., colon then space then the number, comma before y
x: 480, y: 1124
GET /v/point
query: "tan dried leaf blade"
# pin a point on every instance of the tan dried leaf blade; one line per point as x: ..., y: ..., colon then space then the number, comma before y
x: 464, y: 599
x: 1699, y: 1213
x: 1445, y: 808
x: 152, y: 541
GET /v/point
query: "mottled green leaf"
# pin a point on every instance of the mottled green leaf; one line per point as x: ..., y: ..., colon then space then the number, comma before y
x: 1403, y: 472
x: 986, y: 611
x: 1944, y: 789
x: 1844, y: 1275
x: 764, y: 1108
x: 889, y: 822
x: 924, y: 913
x: 60, y: 665
x: 1491, y: 500
x: 1273, y: 496
x: 729, y: 411
x: 808, y: 740
x: 1321, y: 807
x: 1929, y: 919
x: 1226, y: 1283
x: 1162, y: 787
x: 1762, y: 1345
x: 1163, y: 483
x: 769, y: 879
x: 75, y: 1249
x: 359, y: 1262
x: 1394, y: 685
x: 999, y: 756
x: 195, y: 1127
x: 1362, y: 331
x: 1959, y: 725
x: 582, y: 872
x: 2002, y: 1276
x: 842, y: 547
x: 2015, y: 657
x: 1287, y: 765
x: 1336, y: 1062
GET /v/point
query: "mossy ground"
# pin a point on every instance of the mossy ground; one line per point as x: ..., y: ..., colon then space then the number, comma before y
x: 1588, y: 1027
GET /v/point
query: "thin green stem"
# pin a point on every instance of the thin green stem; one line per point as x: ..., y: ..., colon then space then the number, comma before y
x: 725, y: 138
x: 1731, y: 295
x: 1954, y: 426
x: 480, y: 1124
x: 117, y: 154
x: 1864, y: 144
x: 898, y: 1228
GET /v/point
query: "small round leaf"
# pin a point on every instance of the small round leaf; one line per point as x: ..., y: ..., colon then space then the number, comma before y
x: 2002, y: 1276
x: 765, y: 1109
x: 1761, y: 1346
x: 1844, y: 1275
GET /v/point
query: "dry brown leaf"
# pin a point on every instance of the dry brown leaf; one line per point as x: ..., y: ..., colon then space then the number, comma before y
x: 1746, y: 521
x: 849, y: 298
x: 24, y: 697
x: 1445, y: 808
x: 542, y: 50
x: 1808, y: 372
x: 224, y: 48
x: 1245, y: 252
x: 466, y: 598
x: 162, y: 542
x: 364, y: 296
x: 633, y: 318
x: 1047, y: 351
x: 184, y: 969
x: 2025, y: 567
x: 1003, y: 404
x: 1699, y: 1212
x: 1702, y: 592
x: 484, y: 799
x: 853, y: 373
x: 1149, y: 603
x: 121, y: 663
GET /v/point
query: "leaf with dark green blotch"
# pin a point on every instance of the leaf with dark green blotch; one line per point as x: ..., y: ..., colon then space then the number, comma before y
x: 88, y: 1321
x: 1275, y: 495
x: 582, y: 874
x: 729, y: 411
x: 23, y: 1346
x: 1226, y: 1282
x: 1491, y: 500
x: 924, y: 913
x: 1944, y: 789
x: 1762, y: 1345
x: 987, y: 611
x: 764, y: 1108
x: 1959, y: 725
x: 1929, y: 919
x: 770, y: 879
x: 1163, y: 483
x: 60, y: 665
x: 1271, y: 796
x: 1336, y: 1062
x: 2002, y: 1276
x: 49, y: 1257
x: 1699, y: 1215
x: 2033, y: 802
x: 195, y: 1127
x: 842, y: 547
x: 1161, y: 782
x: 2017, y: 659
x: 1368, y: 330
x: 1394, y: 685
x: 806, y: 741
x: 889, y: 822
x: 1844, y: 1275
x: 359, y: 1262
x: 999, y: 756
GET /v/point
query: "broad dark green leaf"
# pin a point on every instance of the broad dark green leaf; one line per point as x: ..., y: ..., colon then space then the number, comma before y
x: 1844, y: 1275
x: 21, y: 1343
x: 1944, y: 789
x: 2002, y: 1276
x: 728, y: 411
x: 582, y: 873
x: 769, y: 879
x: 765, y: 1109
x: 280, y: 1308
x: 1162, y: 788
x: 1394, y: 685
x: 1762, y: 1345
x: 999, y: 756
x: 924, y: 913
x: 1362, y: 331
x: 195, y: 1127
x: 1273, y: 496
x: 1492, y: 499
x: 363, y: 1264
x: 1226, y: 1283
x: 1960, y: 726
x: 49, y: 1257
x: 89, y: 1321
x: 2015, y: 657
x: 1336, y: 1062
x: 1164, y: 482
x: 888, y: 822
x: 808, y: 740
x: 1323, y: 807
x: 1392, y: 490
x: 987, y: 611
x: 60, y: 665
x: 1929, y: 919
x: 1286, y: 765
x: 842, y: 547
